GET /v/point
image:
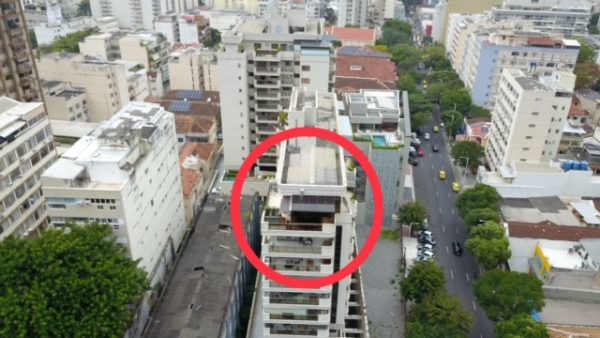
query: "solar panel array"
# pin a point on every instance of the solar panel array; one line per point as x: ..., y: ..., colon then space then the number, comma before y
x: 190, y: 94
x: 180, y: 107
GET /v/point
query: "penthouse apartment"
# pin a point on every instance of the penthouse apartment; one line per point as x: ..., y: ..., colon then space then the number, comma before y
x: 308, y: 232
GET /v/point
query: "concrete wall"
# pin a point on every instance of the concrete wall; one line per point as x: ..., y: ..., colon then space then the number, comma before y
x: 577, y: 295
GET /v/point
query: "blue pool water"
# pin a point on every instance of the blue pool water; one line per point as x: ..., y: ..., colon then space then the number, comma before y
x: 379, y: 141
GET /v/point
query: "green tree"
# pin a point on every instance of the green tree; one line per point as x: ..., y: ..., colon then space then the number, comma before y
x: 456, y: 100
x: 84, y: 9
x: 471, y: 150
x: 453, y: 120
x: 424, y: 278
x: 76, y: 283
x: 32, y: 38
x: 412, y: 213
x: 419, y: 119
x: 586, y: 52
x: 478, y: 197
x: 504, y: 294
x: 588, y: 74
x: 418, y: 102
x: 475, y: 217
x: 406, y: 56
x: 330, y: 16
x: 477, y: 111
x: 435, y: 91
x: 439, y: 315
x: 407, y: 83
x: 489, y: 244
x: 434, y: 56
x: 213, y: 38
x: 521, y: 326
x: 447, y: 77
x: 395, y: 32
x: 68, y: 43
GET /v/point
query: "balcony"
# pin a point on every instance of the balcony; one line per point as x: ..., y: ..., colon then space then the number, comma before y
x: 268, y: 107
x: 267, y: 95
x: 269, y: 71
x: 268, y: 129
x: 266, y: 83
x: 267, y: 118
x: 289, y: 316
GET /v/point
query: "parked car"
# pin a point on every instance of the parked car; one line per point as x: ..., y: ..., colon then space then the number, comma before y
x: 426, y: 223
x: 421, y: 153
x: 426, y: 233
x: 413, y: 161
x: 415, y: 145
x: 457, y: 249
x: 456, y: 187
x: 424, y: 258
x: 436, y: 129
x: 442, y: 125
x: 435, y: 148
x: 415, y: 140
x: 427, y: 136
x: 425, y: 246
x: 442, y: 175
x: 427, y: 240
x: 419, y: 131
x: 425, y: 253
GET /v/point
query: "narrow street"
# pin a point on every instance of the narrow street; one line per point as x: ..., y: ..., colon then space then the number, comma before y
x: 447, y: 226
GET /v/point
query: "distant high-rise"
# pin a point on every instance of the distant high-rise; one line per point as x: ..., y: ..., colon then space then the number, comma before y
x: 352, y: 13
x: 19, y: 75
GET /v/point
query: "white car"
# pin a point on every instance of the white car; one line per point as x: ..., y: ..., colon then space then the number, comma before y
x: 427, y: 137
x: 442, y: 124
x: 416, y: 141
x: 427, y: 247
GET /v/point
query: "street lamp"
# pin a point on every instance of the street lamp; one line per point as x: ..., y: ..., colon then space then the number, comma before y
x: 454, y: 107
x: 466, y: 166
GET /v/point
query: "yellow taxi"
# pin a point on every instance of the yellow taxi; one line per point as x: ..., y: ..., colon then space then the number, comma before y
x: 436, y: 129
x: 456, y: 187
x: 442, y: 174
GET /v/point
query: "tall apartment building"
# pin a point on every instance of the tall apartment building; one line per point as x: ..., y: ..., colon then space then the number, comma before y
x: 489, y: 50
x: 148, y: 49
x: 19, y: 74
x: 108, y: 85
x: 568, y: 17
x: 26, y: 150
x: 104, y: 45
x: 138, y: 14
x: 261, y: 60
x: 193, y: 68
x: 529, y: 117
x: 237, y: 5
x: 439, y: 24
x: 308, y: 232
x: 352, y: 13
x: 465, y: 7
x: 126, y: 174
x: 460, y: 27
x: 65, y: 102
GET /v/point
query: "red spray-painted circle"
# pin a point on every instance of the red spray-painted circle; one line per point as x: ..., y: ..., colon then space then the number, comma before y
x: 236, y: 217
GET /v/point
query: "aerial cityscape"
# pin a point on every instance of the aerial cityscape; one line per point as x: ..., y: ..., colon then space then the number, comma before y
x: 300, y: 168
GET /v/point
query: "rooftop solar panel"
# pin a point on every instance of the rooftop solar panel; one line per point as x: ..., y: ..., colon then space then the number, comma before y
x: 180, y: 107
x: 190, y: 94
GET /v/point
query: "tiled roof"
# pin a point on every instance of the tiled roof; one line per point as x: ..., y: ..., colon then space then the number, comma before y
x: 351, y: 84
x: 179, y: 45
x: 551, y: 231
x: 361, y: 51
x: 589, y: 94
x: 206, y: 94
x: 203, y: 110
x: 185, y: 124
x: 365, y: 67
x: 368, y: 35
x: 544, y: 42
x: 576, y: 110
x: 563, y: 331
x: 190, y: 178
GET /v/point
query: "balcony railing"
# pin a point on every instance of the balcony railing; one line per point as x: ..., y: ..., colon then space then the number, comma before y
x: 294, y: 300
x: 293, y: 317
x: 294, y: 249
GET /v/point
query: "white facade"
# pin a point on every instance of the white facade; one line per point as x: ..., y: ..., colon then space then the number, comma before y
x: 439, y: 21
x: 272, y: 63
x: 26, y: 150
x: 177, y: 6
x: 308, y: 231
x: 105, y: 83
x: 251, y: 6
x: 460, y: 26
x: 489, y: 50
x: 193, y: 68
x: 528, y: 120
x: 46, y: 33
x: 132, y: 14
x: 65, y: 102
x: 126, y: 174
x: 149, y: 49
x: 352, y: 12
x: 104, y: 46
x: 569, y: 17
x: 168, y: 26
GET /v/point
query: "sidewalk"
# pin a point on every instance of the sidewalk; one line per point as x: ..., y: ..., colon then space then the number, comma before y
x: 467, y: 181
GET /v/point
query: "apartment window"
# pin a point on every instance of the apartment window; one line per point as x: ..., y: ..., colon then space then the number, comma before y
x: 525, y: 148
x: 556, y: 131
x: 528, y: 137
x: 57, y: 206
x: 112, y: 207
x: 116, y: 226
x: 101, y: 207
x: 305, y: 81
x: 531, y: 125
x: 514, y: 53
x: 535, y: 113
x: 306, y: 68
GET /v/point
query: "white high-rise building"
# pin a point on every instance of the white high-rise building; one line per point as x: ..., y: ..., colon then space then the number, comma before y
x: 308, y: 232
x: 193, y: 68
x: 568, y: 17
x: 261, y: 60
x: 26, y: 150
x: 438, y: 26
x: 529, y: 117
x: 352, y: 13
x: 126, y: 174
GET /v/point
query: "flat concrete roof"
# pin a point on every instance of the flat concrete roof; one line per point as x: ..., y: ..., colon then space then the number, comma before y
x: 73, y: 129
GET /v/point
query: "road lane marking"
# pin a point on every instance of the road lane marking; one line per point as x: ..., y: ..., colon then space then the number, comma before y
x: 468, y: 280
x: 450, y: 197
x: 440, y: 210
x: 452, y: 211
x: 474, y: 307
x: 456, y: 230
x: 443, y: 228
x: 437, y: 193
x: 432, y: 167
x: 430, y: 157
x: 447, y: 250
x: 452, y: 275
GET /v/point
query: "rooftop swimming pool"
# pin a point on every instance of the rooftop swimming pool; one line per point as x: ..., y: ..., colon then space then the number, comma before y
x: 379, y: 141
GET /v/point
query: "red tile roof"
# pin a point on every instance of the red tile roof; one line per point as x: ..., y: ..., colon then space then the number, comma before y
x: 190, y: 178
x: 352, y: 85
x: 206, y: 94
x: 576, y: 110
x: 367, y: 35
x: 204, y: 110
x: 366, y: 68
x: 544, y: 42
x: 185, y: 124
x: 551, y: 231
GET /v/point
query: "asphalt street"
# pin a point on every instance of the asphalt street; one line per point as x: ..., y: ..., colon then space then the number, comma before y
x: 447, y: 226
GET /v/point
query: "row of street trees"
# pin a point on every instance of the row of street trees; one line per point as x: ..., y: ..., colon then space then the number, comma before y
x: 508, y: 298
x: 433, y: 313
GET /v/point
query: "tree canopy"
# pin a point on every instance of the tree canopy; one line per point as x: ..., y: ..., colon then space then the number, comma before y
x: 504, y: 294
x: 424, y: 278
x: 476, y: 217
x: 406, y: 56
x: 471, y: 150
x: 447, y: 77
x: 478, y: 197
x: 489, y: 244
x: 213, y: 38
x: 453, y: 120
x: 461, y: 98
x: 435, y: 91
x: 588, y: 74
x: 395, y: 32
x: 521, y: 326
x: 477, y: 111
x: 439, y: 315
x: 407, y: 83
x: 419, y: 119
x: 418, y: 102
x: 68, y: 43
x: 76, y: 283
x: 434, y: 56
x: 414, y: 212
